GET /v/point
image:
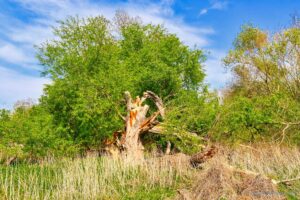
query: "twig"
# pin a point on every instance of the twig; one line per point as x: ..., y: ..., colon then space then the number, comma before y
x: 246, y: 146
x: 283, y: 132
x: 287, y: 125
x: 276, y: 182
x: 287, y: 180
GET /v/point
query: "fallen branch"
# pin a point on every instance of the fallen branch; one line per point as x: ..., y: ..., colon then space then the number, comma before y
x: 286, y: 181
x: 287, y: 125
x: 251, y: 148
x: 10, y: 160
x: 202, y: 157
x: 248, y: 172
x: 168, y: 149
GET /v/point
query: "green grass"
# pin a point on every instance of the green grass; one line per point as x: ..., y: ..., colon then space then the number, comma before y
x: 292, y: 191
x: 106, y: 178
x: 93, y: 178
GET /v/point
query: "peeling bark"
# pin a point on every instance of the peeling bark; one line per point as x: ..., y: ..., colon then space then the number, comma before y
x: 136, y: 123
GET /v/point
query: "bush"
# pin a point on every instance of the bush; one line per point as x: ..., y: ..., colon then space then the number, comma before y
x: 27, y: 133
x: 243, y: 119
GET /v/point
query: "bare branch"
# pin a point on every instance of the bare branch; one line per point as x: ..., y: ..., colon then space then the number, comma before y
x: 157, y: 100
x: 286, y: 181
x: 288, y: 124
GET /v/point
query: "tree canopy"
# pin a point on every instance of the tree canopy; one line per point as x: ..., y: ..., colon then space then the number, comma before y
x: 263, y: 100
x: 93, y: 61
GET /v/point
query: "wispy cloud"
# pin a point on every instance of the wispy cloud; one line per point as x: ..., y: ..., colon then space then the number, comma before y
x: 219, y: 5
x: 203, y: 11
x: 24, y: 34
x: 15, y: 86
x: 215, y: 5
x: 157, y: 13
x: 13, y: 54
x: 217, y: 76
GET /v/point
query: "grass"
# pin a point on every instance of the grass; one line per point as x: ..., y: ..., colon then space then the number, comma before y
x: 106, y: 178
x: 93, y: 178
x: 276, y: 162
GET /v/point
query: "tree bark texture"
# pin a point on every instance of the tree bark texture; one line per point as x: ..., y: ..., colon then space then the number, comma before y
x: 136, y: 123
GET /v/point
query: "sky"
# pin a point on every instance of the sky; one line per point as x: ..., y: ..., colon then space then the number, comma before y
x: 210, y: 25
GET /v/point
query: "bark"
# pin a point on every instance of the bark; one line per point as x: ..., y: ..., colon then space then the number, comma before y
x: 202, y: 157
x: 168, y: 149
x: 136, y: 123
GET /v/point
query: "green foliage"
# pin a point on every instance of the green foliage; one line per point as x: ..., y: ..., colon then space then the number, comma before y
x: 190, y: 115
x: 27, y: 133
x: 264, y: 97
x: 292, y: 192
x: 248, y: 120
x: 93, y: 61
x: 250, y: 38
x: 265, y: 67
x: 91, y: 65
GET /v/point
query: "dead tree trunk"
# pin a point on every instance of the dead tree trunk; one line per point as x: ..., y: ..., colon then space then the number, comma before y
x: 137, y: 122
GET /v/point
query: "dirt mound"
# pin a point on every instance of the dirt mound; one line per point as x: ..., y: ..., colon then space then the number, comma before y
x: 222, y: 182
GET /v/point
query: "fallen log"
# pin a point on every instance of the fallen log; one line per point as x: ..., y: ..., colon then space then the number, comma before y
x: 203, y: 156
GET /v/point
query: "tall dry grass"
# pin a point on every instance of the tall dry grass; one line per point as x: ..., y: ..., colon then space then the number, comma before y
x: 274, y: 161
x: 155, y: 178
x: 94, y: 178
x: 278, y: 162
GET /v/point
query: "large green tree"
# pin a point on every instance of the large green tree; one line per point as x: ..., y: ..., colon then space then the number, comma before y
x: 263, y: 101
x: 93, y: 61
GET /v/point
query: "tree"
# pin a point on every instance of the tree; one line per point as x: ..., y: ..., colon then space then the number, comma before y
x: 263, y: 66
x: 93, y: 61
x: 263, y: 101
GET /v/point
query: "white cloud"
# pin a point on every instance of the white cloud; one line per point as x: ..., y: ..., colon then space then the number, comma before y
x: 15, y: 86
x: 203, y: 11
x: 53, y: 10
x: 215, y: 5
x: 219, y: 5
x: 217, y: 76
x: 13, y: 54
x: 31, y: 34
x: 18, y: 49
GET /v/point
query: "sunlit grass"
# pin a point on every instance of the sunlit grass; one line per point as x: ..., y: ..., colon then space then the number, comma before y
x: 93, y: 178
x: 155, y: 178
x: 274, y: 161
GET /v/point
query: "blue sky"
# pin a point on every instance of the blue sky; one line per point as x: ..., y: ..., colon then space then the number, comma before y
x: 209, y: 24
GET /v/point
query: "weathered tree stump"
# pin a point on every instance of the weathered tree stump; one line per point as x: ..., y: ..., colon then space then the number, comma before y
x: 136, y: 123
